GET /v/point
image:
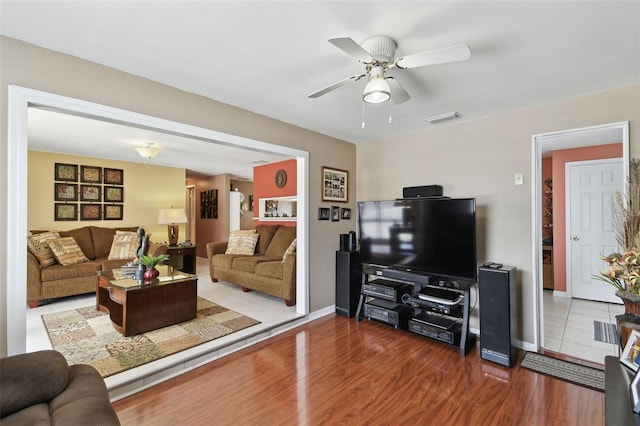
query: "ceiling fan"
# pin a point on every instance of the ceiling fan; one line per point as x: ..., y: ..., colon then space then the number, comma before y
x: 377, y: 54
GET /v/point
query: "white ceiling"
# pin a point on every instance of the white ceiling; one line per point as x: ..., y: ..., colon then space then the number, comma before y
x: 267, y: 56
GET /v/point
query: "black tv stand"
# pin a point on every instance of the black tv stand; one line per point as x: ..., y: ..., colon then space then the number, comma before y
x: 438, y: 318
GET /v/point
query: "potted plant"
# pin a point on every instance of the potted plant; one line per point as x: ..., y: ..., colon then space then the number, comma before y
x: 150, y: 262
x: 623, y: 268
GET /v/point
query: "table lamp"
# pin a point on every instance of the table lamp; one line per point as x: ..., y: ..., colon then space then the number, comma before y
x: 173, y: 218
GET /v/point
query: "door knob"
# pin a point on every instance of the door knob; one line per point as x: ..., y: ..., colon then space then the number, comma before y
x: 575, y: 238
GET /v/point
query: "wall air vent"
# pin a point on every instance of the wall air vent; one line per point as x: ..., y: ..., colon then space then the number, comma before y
x: 443, y: 117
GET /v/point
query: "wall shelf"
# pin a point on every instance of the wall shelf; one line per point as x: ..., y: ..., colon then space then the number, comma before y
x: 277, y: 209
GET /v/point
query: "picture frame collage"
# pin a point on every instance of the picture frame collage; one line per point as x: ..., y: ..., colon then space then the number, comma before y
x: 630, y: 357
x: 335, y: 185
x: 88, y: 193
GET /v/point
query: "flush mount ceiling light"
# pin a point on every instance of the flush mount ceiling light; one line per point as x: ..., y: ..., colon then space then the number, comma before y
x: 443, y: 117
x: 148, y: 151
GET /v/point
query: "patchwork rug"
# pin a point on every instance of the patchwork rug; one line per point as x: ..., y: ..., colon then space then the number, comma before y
x: 577, y: 374
x: 605, y: 332
x: 86, y: 336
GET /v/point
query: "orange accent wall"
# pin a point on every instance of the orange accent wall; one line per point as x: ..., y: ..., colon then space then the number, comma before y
x: 264, y: 185
x: 561, y: 157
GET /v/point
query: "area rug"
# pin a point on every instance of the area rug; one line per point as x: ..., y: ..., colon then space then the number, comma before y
x: 605, y: 332
x: 86, y: 336
x: 571, y: 372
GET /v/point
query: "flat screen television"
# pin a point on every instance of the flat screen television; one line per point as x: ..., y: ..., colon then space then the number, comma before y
x: 428, y: 236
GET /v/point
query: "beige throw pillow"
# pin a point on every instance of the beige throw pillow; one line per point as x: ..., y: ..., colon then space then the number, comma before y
x: 242, y: 242
x: 124, y: 245
x: 67, y: 251
x: 39, y: 245
x: 290, y: 249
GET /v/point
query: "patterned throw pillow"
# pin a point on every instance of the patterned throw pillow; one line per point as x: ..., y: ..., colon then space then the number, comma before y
x: 124, y: 245
x: 290, y: 249
x: 242, y: 242
x: 39, y: 245
x: 67, y: 251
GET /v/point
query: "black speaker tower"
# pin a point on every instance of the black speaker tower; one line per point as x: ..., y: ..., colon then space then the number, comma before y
x: 497, y: 295
x: 348, y: 282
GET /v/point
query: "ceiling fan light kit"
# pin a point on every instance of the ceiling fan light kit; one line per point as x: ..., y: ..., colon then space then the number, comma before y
x: 377, y: 54
x: 148, y: 151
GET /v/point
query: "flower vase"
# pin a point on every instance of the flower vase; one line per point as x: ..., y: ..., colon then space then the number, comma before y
x: 151, y: 273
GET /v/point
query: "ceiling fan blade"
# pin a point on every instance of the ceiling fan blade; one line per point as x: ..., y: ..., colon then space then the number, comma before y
x: 459, y: 52
x: 335, y: 85
x: 352, y: 48
x: 398, y: 94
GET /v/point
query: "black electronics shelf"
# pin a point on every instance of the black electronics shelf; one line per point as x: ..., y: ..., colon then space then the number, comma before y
x: 434, y: 308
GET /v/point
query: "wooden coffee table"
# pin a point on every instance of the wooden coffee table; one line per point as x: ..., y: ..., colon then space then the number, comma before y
x: 138, y: 306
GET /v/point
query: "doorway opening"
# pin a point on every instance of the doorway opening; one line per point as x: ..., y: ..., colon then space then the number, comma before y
x: 543, y: 145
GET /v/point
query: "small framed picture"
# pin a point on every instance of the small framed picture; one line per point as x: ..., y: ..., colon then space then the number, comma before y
x: 323, y: 213
x: 90, y: 212
x: 90, y: 174
x: 65, y: 212
x: 346, y: 213
x: 634, y: 389
x: 113, y: 212
x: 113, y: 194
x: 335, y: 213
x: 66, y: 191
x: 66, y: 172
x: 113, y: 176
x: 631, y: 351
x: 334, y: 184
x: 90, y: 193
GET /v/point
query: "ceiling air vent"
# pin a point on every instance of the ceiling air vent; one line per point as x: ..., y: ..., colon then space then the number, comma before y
x: 443, y: 117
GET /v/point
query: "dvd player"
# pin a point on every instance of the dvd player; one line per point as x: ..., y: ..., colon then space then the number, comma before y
x: 443, y: 308
x: 450, y: 336
x: 386, y: 289
x: 388, y: 312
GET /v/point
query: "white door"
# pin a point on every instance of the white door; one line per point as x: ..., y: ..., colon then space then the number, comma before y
x: 591, y: 186
x: 234, y: 211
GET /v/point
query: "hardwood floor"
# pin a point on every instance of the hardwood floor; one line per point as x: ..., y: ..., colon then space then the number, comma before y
x: 337, y: 371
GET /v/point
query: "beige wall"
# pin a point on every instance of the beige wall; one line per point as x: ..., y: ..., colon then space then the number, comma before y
x: 147, y: 189
x: 29, y: 66
x: 479, y: 158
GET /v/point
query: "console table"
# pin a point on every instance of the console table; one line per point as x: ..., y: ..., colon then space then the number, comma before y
x: 617, y: 400
x: 186, y: 254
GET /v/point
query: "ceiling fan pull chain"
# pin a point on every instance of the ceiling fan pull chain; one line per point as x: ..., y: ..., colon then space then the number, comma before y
x: 363, y: 114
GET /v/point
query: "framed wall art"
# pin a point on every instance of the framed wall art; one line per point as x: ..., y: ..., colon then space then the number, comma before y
x: 335, y: 213
x: 90, y: 174
x: 323, y: 213
x: 90, y: 193
x: 90, y: 212
x: 631, y: 351
x: 66, y: 172
x: 113, y: 194
x: 334, y: 184
x: 113, y: 176
x: 346, y: 213
x: 65, y: 191
x: 112, y: 212
x: 209, y: 204
x: 65, y: 212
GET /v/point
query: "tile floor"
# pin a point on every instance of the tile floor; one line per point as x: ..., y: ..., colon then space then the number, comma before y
x: 568, y: 326
x: 272, y: 312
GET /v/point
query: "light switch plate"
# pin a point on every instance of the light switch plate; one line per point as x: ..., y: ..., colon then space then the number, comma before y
x: 519, y: 179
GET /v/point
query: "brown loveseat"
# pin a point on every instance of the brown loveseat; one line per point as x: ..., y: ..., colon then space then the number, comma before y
x: 267, y: 270
x: 40, y: 388
x: 48, y: 282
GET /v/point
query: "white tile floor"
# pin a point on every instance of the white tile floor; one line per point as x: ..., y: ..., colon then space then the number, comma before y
x: 568, y: 327
x: 272, y: 312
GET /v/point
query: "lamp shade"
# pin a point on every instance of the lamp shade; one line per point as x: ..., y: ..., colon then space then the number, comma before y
x: 172, y: 216
x: 377, y: 90
x: 147, y: 152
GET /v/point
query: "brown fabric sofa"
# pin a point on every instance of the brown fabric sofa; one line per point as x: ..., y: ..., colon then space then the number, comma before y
x: 48, y: 282
x: 40, y: 388
x: 263, y: 271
